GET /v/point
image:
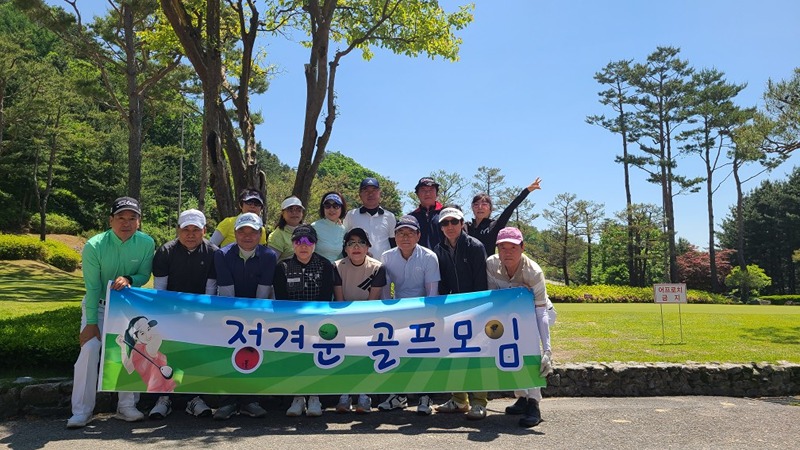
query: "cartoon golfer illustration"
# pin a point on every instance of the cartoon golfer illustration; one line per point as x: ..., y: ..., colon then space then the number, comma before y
x: 146, y: 359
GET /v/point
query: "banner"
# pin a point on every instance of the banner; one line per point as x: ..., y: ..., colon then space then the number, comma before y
x: 161, y: 341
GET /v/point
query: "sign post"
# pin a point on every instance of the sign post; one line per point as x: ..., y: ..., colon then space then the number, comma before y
x: 670, y: 293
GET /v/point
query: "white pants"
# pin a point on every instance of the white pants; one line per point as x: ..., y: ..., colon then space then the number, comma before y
x: 534, y: 393
x: 84, y: 387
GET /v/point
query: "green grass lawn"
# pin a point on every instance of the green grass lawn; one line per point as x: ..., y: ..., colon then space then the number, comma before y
x: 584, y: 331
x: 711, y: 333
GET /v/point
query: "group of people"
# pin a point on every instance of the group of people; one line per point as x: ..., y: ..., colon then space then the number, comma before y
x: 365, y: 253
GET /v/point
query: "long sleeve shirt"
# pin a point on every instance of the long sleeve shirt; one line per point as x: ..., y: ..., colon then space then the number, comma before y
x: 106, y: 257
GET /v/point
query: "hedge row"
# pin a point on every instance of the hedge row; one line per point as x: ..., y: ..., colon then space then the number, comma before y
x: 621, y: 294
x: 781, y: 299
x: 58, y: 254
x: 47, y: 340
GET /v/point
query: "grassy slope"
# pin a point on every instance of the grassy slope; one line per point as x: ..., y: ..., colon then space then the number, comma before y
x: 583, y: 332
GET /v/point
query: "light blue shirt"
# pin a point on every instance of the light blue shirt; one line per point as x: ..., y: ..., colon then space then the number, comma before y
x: 330, y: 237
x: 411, y: 275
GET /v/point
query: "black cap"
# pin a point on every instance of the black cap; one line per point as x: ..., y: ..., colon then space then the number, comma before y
x: 126, y: 204
x: 358, y: 232
x: 305, y: 231
x: 426, y: 181
x: 251, y: 195
x: 367, y: 182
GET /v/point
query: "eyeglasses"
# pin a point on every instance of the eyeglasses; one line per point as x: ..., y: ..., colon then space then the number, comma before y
x: 332, y: 205
x: 358, y: 243
x: 253, y: 203
x: 447, y: 222
x: 303, y: 241
x: 405, y: 234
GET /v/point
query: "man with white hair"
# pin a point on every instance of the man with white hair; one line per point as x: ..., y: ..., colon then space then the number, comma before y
x: 511, y: 268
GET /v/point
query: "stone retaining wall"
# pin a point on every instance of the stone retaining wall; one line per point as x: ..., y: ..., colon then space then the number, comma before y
x: 52, y: 397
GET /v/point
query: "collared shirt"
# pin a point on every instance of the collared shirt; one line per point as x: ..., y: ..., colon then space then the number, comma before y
x: 528, y: 274
x: 186, y: 271
x: 410, y: 276
x: 245, y: 275
x: 106, y: 257
x: 329, y: 239
x: 225, y: 228
x: 356, y: 281
x: 297, y: 281
x: 379, y: 228
x: 280, y: 240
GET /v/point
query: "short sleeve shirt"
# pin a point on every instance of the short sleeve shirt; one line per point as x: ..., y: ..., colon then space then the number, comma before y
x: 379, y: 228
x: 356, y: 281
x: 410, y: 276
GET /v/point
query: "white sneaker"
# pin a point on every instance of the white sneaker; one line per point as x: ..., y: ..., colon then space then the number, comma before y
x: 78, y: 421
x: 298, y: 407
x: 393, y: 402
x: 452, y: 406
x: 162, y: 408
x: 253, y: 409
x: 198, y: 408
x: 314, y: 407
x: 345, y: 404
x: 364, y: 405
x: 425, y: 407
x: 129, y: 414
x: 477, y: 412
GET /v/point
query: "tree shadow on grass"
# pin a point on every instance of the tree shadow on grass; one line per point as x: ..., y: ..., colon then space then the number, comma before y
x: 773, y: 335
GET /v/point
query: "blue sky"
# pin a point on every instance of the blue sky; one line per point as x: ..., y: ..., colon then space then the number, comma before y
x: 518, y: 98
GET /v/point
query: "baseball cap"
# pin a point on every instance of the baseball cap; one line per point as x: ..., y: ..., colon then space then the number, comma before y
x: 426, y: 181
x: 447, y: 213
x: 367, y: 182
x: 305, y: 231
x: 126, y: 204
x: 407, y: 221
x: 252, y: 195
x: 192, y: 217
x: 510, y: 234
x: 357, y: 232
x: 292, y: 201
x: 248, y: 220
x: 332, y: 197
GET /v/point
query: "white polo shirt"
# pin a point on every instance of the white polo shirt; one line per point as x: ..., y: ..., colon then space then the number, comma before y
x: 379, y: 228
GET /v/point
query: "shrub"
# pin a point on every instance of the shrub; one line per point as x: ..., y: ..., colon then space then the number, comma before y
x: 60, y: 255
x: 620, y: 294
x: 782, y: 299
x: 160, y: 235
x: 744, y: 284
x: 56, y: 224
x: 46, y: 340
x: 13, y: 247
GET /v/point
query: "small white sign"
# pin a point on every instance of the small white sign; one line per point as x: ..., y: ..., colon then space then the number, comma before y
x: 670, y: 292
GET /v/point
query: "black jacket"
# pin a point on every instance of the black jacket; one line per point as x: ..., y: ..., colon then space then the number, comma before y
x: 429, y: 229
x: 465, y: 270
x: 487, y: 230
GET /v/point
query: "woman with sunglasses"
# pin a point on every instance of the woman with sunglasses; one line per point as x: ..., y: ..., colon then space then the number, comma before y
x: 329, y: 228
x: 304, y: 276
x: 483, y: 227
x: 357, y: 276
x: 250, y: 201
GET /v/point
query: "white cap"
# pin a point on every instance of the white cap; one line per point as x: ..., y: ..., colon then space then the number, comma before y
x: 292, y: 201
x: 447, y: 213
x: 192, y: 217
x: 248, y: 220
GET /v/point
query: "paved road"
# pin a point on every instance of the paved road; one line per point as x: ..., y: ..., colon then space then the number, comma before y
x: 571, y: 423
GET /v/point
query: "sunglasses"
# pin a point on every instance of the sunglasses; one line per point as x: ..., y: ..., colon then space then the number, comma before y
x: 303, y: 241
x: 447, y: 222
x: 332, y: 205
x: 358, y: 243
x: 253, y: 203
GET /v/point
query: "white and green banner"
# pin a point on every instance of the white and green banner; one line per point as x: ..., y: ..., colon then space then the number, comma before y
x: 160, y: 341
